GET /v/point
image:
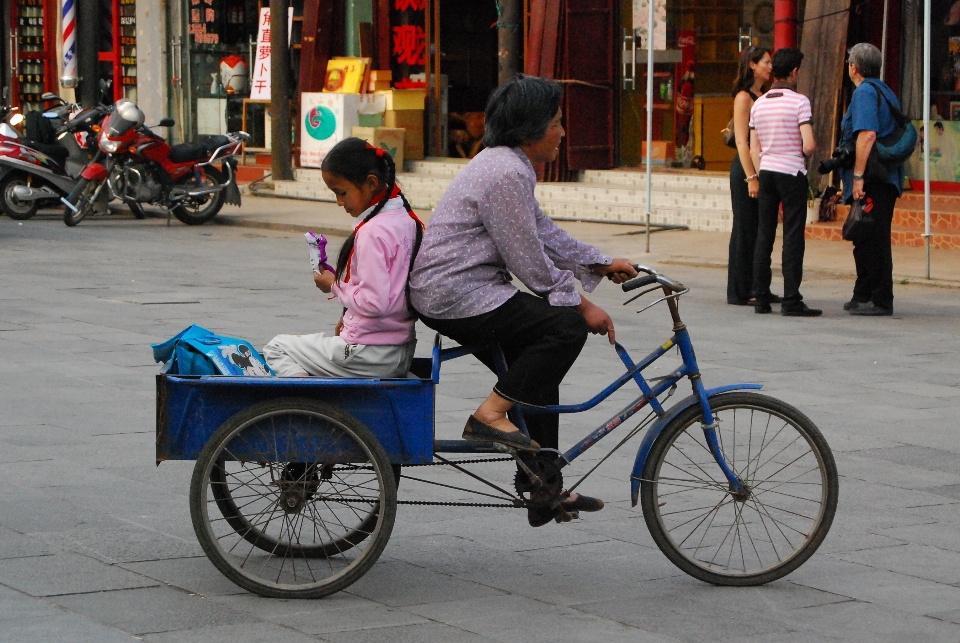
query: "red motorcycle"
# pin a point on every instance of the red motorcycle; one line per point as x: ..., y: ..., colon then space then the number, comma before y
x: 140, y: 167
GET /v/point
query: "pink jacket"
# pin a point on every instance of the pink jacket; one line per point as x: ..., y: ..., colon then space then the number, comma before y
x: 375, y: 297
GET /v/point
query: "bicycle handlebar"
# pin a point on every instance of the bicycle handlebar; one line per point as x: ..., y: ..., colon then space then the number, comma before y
x: 652, y: 277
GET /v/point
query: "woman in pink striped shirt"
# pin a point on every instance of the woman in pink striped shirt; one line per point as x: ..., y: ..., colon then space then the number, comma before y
x: 375, y: 337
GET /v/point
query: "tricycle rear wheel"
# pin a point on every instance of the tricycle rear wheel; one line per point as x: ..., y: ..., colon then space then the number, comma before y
x: 293, y: 499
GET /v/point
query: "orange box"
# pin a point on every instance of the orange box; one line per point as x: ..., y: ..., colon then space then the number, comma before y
x: 662, y: 152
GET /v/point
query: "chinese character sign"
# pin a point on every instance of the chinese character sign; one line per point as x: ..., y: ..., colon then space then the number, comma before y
x: 408, y: 53
x: 641, y: 15
x: 260, y: 87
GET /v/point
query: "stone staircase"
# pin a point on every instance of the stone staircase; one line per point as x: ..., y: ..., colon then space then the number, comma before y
x: 699, y: 200
x: 908, y: 223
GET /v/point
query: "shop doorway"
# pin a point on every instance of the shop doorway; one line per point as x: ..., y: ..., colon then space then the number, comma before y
x: 468, y: 60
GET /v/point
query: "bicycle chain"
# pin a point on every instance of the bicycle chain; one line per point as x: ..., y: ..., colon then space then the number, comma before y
x: 432, y: 503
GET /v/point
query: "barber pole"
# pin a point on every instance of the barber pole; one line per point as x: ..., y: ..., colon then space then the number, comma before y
x: 69, y: 16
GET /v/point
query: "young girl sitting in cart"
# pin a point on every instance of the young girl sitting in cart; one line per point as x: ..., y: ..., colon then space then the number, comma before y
x: 375, y: 336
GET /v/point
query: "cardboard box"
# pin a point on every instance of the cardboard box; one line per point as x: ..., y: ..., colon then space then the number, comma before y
x: 389, y: 138
x: 662, y: 152
x: 378, y: 86
x: 378, y: 75
x: 412, y: 121
x: 404, y: 99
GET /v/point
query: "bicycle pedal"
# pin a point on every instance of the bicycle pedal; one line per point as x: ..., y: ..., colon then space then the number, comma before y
x: 566, y: 516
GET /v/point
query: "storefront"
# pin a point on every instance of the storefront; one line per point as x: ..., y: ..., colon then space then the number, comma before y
x: 696, y: 46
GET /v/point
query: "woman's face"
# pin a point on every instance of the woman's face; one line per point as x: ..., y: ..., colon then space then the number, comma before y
x: 763, y: 69
x: 545, y: 150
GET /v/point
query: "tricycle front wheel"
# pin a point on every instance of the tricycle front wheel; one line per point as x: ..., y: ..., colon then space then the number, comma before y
x: 293, y: 499
x: 762, y: 533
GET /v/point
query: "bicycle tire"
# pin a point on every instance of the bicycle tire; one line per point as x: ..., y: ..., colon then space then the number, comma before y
x: 274, y: 528
x: 684, y: 493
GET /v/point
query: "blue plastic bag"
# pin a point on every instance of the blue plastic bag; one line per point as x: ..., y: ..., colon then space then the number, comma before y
x: 198, y: 351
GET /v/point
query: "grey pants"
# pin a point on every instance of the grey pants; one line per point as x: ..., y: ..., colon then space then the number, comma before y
x: 325, y: 355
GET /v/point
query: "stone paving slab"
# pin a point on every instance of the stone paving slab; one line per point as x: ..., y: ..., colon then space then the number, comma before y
x: 96, y: 542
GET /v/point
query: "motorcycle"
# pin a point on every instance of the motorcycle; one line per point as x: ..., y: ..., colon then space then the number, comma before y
x: 45, y: 167
x: 141, y: 167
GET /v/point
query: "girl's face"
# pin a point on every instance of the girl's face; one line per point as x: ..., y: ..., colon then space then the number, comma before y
x: 351, y: 197
x: 763, y: 69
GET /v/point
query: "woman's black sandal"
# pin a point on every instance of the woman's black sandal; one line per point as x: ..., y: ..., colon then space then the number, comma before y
x: 565, y: 512
x: 477, y: 431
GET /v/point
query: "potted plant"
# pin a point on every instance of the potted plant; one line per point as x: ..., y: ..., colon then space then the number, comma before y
x: 813, y: 202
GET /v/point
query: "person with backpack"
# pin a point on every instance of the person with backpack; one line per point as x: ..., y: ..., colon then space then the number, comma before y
x: 872, y: 116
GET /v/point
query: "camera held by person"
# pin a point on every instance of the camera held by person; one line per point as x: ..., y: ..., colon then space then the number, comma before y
x: 843, y: 157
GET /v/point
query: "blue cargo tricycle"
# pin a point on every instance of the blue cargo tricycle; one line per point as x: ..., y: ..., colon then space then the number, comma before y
x: 294, y: 492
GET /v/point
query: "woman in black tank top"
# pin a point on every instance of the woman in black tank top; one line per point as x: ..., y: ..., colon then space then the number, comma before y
x: 755, y: 69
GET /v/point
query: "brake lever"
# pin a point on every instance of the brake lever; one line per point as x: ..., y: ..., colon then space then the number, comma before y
x: 637, y: 296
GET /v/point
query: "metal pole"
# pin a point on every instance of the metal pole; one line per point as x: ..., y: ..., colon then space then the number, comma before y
x: 650, y: 116
x: 926, y: 129
x: 883, y: 41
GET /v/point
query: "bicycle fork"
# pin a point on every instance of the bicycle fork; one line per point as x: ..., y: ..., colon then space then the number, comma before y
x: 709, y: 423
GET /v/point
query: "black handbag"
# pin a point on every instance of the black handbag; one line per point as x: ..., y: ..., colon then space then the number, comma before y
x: 729, y: 136
x: 859, y: 220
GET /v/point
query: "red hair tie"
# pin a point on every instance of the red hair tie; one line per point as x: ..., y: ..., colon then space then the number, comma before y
x: 378, y: 150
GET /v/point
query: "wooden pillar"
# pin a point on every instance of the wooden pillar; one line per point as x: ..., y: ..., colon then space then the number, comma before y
x: 280, y: 91
x: 510, y: 38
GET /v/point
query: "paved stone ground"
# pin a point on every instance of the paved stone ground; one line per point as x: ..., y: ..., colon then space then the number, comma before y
x: 96, y: 542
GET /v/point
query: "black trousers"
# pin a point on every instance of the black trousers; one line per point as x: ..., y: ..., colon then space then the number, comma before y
x: 872, y: 253
x: 540, y: 343
x: 777, y: 188
x: 743, y: 236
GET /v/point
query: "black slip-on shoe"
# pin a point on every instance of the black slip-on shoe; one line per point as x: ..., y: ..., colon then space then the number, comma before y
x: 773, y: 299
x: 762, y: 308
x: 850, y: 305
x: 477, y: 431
x: 870, y: 309
x: 583, y: 503
x: 800, y: 310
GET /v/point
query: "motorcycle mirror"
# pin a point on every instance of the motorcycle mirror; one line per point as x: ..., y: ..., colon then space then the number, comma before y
x: 166, y: 122
x: 69, y: 81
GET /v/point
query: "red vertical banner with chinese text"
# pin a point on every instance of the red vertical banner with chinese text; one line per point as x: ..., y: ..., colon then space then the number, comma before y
x: 408, y: 51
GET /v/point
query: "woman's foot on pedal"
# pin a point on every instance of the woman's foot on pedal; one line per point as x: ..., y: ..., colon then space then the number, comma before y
x: 477, y: 431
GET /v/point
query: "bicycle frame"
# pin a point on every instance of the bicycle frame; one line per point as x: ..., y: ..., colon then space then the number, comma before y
x: 650, y: 395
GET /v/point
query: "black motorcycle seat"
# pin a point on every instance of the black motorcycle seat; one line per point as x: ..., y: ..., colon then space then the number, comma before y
x: 57, y: 153
x: 198, y: 150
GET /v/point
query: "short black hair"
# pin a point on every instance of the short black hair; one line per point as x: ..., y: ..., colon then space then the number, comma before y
x: 520, y: 110
x: 785, y: 61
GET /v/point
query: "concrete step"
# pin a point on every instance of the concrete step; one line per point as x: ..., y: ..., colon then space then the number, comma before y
x: 899, y: 235
x: 681, y: 203
x: 913, y: 200
x: 915, y: 218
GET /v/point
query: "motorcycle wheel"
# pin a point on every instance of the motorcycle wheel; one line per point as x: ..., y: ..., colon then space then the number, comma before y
x: 137, y: 209
x: 12, y: 206
x: 199, y: 211
x: 81, y: 197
